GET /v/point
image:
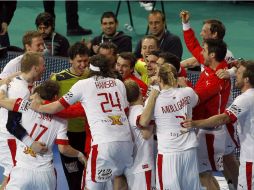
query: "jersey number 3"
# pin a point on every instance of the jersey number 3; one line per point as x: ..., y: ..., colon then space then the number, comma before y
x: 109, y: 102
x: 40, y: 128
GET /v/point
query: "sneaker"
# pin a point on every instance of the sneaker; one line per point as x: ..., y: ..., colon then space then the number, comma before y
x: 78, y: 31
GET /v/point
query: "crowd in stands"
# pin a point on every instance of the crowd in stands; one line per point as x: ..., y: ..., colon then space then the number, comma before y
x: 127, y: 119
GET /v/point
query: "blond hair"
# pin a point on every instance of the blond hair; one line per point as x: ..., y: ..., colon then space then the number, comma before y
x: 168, y: 74
x: 29, y: 60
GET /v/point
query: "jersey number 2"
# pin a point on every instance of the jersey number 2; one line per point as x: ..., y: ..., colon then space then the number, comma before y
x: 109, y: 101
x: 42, y: 129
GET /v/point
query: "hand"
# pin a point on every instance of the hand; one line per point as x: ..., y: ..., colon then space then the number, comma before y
x: 39, y: 147
x: 5, y: 81
x: 188, y: 123
x: 4, y: 28
x: 36, y: 102
x: 223, y: 74
x: 185, y: 16
x: 154, y: 93
x: 153, y: 80
x: 82, y: 158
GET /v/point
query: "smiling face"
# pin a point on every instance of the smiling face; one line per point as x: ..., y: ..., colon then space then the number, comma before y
x: 109, y: 26
x: 37, y: 45
x: 148, y: 45
x: 78, y: 64
x: 151, y: 65
x: 123, y: 67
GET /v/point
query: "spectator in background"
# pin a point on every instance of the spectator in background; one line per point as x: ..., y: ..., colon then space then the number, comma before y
x: 71, y: 8
x: 109, y: 24
x: 55, y: 44
x: 7, y: 9
x: 168, y: 42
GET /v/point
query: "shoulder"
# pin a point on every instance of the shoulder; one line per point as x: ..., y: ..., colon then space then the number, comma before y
x: 63, y: 75
x: 96, y: 39
x: 171, y: 37
x: 60, y: 37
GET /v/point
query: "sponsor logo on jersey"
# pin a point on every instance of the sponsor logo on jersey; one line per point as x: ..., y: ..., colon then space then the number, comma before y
x: 104, y: 174
x: 235, y: 109
x: 116, y: 120
x: 28, y: 150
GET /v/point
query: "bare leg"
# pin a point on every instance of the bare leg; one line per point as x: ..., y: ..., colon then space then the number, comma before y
x: 120, y: 183
x: 4, y: 183
x: 208, y: 180
x: 231, y: 168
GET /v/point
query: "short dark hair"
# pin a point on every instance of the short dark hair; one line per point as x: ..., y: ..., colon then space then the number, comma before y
x: 155, y: 12
x: 102, y: 63
x: 155, y: 53
x: 108, y: 45
x: 129, y: 56
x: 217, y: 46
x: 171, y: 58
x: 249, y: 72
x: 78, y: 48
x: 46, y: 19
x: 48, y: 90
x: 216, y: 26
x: 150, y: 37
x: 109, y: 14
x: 132, y: 90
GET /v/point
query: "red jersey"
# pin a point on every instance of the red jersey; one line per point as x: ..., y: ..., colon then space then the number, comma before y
x: 213, y: 92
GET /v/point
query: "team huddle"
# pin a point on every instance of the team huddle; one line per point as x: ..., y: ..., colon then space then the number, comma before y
x: 161, y: 133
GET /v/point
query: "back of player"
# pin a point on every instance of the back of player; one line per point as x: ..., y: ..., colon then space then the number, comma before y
x: 141, y: 174
x: 104, y: 100
x: 37, y: 170
x: 177, y: 152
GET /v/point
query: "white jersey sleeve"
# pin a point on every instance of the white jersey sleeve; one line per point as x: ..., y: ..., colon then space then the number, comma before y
x: 11, y: 67
x: 242, y: 111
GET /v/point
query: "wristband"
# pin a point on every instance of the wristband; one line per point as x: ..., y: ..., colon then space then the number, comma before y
x: 28, y: 141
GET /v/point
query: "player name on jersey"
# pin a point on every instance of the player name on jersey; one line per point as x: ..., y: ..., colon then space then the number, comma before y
x: 105, y: 84
x: 176, y: 107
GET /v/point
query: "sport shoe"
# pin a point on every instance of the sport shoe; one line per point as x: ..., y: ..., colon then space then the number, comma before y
x: 78, y: 31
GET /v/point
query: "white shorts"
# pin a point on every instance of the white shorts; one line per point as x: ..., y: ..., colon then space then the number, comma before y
x: 178, y: 171
x: 26, y: 179
x: 7, y: 154
x: 213, y: 145
x: 107, y: 161
x: 143, y: 180
x: 246, y: 176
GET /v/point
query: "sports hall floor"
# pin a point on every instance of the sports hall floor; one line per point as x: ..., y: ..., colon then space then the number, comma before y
x: 237, y: 17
